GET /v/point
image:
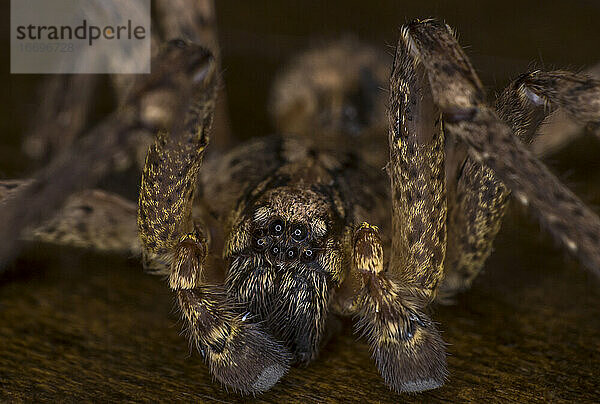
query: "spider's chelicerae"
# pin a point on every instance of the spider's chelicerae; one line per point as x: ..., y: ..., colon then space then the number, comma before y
x: 264, y: 245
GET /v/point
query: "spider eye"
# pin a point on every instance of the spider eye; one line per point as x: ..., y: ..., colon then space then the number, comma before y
x: 308, y: 255
x: 260, y: 240
x: 299, y: 232
x: 275, y: 250
x: 260, y: 244
x: 276, y: 228
x: 291, y: 254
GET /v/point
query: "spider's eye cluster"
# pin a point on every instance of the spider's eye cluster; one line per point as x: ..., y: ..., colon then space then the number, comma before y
x: 284, y: 241
x: 291, y: 253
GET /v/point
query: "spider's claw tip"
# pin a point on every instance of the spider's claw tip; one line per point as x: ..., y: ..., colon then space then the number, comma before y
x: 253, y: 362
x: 417, y: 364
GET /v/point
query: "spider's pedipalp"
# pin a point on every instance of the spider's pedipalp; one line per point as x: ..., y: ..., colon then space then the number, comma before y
x: 406, y: 345
x: 239, y: 353
x: 285, y: 260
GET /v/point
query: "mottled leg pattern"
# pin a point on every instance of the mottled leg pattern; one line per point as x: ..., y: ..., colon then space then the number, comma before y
x: 492, y: 143
x: 92, y: 219
x: 476, y: 198
x: 475, y: 211
x: 479, y: 200
x: 417, y: 173
x: 526, y: 102
x: 406, y: 346
x: 560, y: 129
x: 240, y: 354
x: 571, y: 223
x: 174, y: 73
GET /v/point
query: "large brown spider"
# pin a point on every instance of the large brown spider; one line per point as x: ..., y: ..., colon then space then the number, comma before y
x: 265, y: 244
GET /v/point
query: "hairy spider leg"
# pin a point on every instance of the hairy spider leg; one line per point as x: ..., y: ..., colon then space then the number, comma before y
x: 492, y: 142
x: 406, y: 345
x: 479, y: 199
x: 530, y: 98
x: 240, y: 354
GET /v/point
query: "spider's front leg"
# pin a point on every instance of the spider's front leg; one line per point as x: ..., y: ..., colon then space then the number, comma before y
x: 407, y: 347
x: 240, y: 354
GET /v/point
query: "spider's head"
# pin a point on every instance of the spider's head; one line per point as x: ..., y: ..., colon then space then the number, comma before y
x: 333, y: 90
x: 287, y: 228
x: 284, y: 253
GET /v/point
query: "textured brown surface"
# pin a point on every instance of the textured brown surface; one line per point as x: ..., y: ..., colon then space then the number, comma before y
x: 82, y: 326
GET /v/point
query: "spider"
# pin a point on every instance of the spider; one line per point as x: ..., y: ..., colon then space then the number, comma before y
x: 266, y: 244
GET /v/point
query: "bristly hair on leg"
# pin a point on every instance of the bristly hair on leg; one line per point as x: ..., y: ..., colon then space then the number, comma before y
x: 406, y: 346
x: 240, y: 354
x: 493, y: 143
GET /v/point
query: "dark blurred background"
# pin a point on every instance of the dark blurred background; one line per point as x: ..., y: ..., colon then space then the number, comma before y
x: 93, y: 327
x: 503, y: 39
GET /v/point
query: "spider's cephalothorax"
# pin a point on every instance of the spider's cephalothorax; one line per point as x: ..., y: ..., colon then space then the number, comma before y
x: 305, y: 227
x: 284, y: 254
